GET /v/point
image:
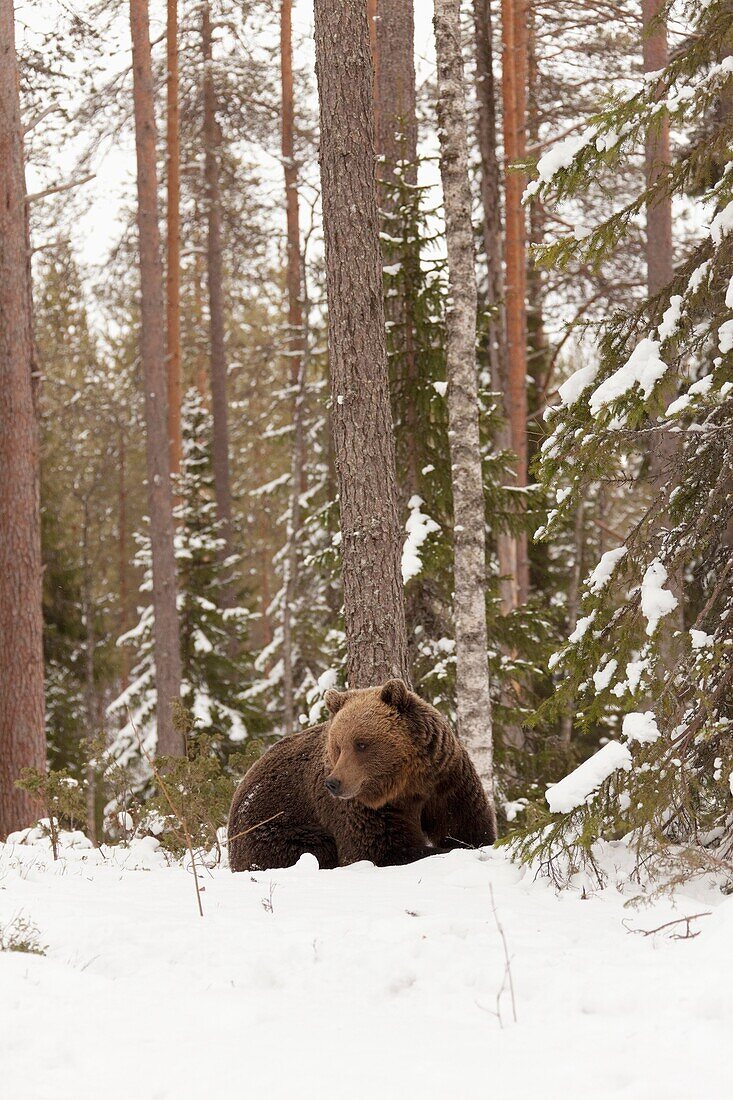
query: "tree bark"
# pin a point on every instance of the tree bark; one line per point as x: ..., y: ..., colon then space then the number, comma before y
x: 360, y: 415
x: 173, y: 240
x: 397, y: 132
x: 22, y: 733
x: 90, y: 691
x: 152, y: 355
x: 473, y: 697
x: 296, y: 356
x: 219, y: 404
x: 493, y: 247
x: 660, y: 272
x: 396, y: 127
x: 122, y: 560
x: 395, y: 91
x: 373, y: 18
x: 514, y: 96
x: 659, y: 254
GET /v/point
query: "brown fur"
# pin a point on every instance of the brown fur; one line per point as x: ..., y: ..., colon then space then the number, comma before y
x: 406, y: 788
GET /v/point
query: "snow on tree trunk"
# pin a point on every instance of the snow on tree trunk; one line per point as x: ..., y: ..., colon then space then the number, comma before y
x: 152, y: 353
x: 473, y: 699
x: 360, y: 415
x: 22, y: 736
x: 219, y: 406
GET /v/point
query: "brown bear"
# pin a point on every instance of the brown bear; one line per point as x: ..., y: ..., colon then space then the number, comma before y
x: 384, y: 779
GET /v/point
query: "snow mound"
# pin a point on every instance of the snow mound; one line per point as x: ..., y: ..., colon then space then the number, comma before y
x: 385, y: 982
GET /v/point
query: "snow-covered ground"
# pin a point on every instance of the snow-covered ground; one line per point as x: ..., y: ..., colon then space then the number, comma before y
x: 357, y: 983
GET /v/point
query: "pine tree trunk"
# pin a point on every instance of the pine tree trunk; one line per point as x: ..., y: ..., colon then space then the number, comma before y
x: 90, y: 693
x: 22, y: 733
x: 514, y: 81
x: 173, y: 240
x: 396, y: 123
x: 219, y: 403
x: 152, y: 355
x: 360, y: 414
x: 660, y: 272
x: 122, y: 563
x: 296, y: 356
x: 396, y: 127
x: 493, y: 248
x: 373, y: 18
x: 473, y: 698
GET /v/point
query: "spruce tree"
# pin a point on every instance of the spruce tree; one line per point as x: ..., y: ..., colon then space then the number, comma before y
x: 667, y: 772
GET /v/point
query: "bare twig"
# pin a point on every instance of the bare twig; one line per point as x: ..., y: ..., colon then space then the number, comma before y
x: 58, y: 188
x: 507, y: 963
x: 688, y: 934
x: 253, y: 827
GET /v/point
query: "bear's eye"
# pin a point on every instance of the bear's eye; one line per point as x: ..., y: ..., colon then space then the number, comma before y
x: 360, y: 746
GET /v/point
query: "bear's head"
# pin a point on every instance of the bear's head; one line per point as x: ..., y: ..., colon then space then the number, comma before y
x: 377, y: 744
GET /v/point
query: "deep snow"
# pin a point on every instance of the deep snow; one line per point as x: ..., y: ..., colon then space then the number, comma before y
x: 357, y: 983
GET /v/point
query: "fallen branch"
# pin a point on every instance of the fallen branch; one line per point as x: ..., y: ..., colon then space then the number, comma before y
x: 688, y: 935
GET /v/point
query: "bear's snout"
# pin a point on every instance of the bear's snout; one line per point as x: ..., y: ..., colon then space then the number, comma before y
x: 333, y: 786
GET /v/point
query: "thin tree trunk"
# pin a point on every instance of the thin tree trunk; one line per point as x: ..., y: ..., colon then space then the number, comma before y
x: 473, y: 697
x: 219, y: 404
x: 173, y: 240
x: 152, y: 354
x: 90, y: 695
x: 659, y: 251
x: 296, y: 356
x: 396, y: 128
x: 360, y: 415
x: 660, y: 272
x: 514, y: 80
x: 22, y: 733
x: 122, y: 563
x: 566, y: 722
x: 506, y: 547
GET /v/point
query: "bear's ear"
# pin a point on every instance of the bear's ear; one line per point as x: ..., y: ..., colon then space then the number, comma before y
x: 395, y: 693
x: 334, y: 700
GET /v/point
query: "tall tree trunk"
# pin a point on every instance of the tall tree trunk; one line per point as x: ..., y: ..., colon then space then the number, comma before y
x: 659, y: 255
x: 296, y: 356
x: 473, y: 697
x: 396, y: 124
x: 122, y: 564
x: 152, y: 354
x: 173, y: 239
x: 494, y: 250
x: 373, y: 18
x: 514, y: 96
x: 660, y: 272
x: 22, y: 734
x: 219, y: 404
x: 396, y: 129
x: 360, y: 415
x: 90, y: 693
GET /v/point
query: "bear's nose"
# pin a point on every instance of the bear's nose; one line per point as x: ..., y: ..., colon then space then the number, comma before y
x: 333, y: 786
